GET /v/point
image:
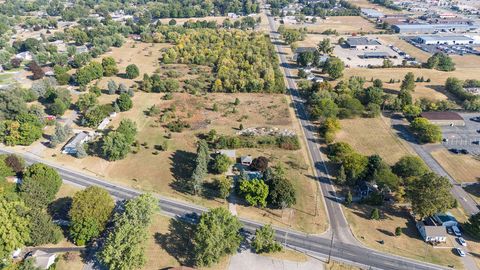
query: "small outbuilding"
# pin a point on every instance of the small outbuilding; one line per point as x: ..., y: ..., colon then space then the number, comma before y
x: 446, y: 219
x: 232, y: 154
x: 444, y: 118
x: 42, y: 259
x: 432, y: 234
x: 246, y: 160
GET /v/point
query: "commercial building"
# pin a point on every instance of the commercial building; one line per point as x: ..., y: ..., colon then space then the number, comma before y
x: 431, y: 28
x: 444, y: 118
x: 361, y: 43
x: 444, y: 39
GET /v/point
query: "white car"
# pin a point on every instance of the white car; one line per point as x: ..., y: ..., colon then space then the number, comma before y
x: 460, y: 252
x: 462, y: 241
x: 456, y: 231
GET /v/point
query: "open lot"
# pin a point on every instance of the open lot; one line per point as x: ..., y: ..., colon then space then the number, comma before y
x: 463, y: 168
x: 409, y: 244
x: 159, y: 171
x: 373, y: 136
x: 342, y: 24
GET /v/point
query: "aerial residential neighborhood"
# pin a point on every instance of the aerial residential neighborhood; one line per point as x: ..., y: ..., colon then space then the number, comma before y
x: 240, y: 134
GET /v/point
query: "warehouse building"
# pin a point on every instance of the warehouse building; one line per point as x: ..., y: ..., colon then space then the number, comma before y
x: 431, y: 28
x: 444, y: 39
x: 444, y: 118
x: 361, y: 43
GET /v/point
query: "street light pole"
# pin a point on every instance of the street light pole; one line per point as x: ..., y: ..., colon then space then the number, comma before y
x: 331, y: 246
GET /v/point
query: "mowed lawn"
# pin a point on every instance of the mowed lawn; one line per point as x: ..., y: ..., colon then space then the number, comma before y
x: 371, y: 136
x: 158, y: 171
x: 408, y: 244
x: 463, y: 168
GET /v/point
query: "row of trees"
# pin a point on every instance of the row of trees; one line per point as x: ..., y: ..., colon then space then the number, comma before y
x: 469, y: 101
x: 410, y: 179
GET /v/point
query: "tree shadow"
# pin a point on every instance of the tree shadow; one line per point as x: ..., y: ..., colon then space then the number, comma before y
x: 59, y: 208
x: 473, y: 189
x: 178, y: 241
x: 387, y: 233
x: 183, y: 164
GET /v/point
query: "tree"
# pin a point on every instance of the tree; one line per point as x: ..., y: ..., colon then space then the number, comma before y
x: 132, y: 71
x: 429, y: 194
x: 90, y: 211
x: 255, y: 192
x: 124, y: 102
x: 81, y: 152
x: 472, y: 226
x: 115, y: 146
x: 398, y: 231
x: 224, y: 186
x: 15, y: 162
x: 348, y: 198
x: 40, y: 184
x: 410, y: 166
x: 42, y: 229
x: 334, y: 67
x: 124, y: 247
x: 14, y: 228
x: 221, y: 163
x: 216, y: 235
x: 200, y: 171
x: 109, y: 66
x: 440, y: 61
x: 322, y: 107
x: 128, y: 128
x: 281, y: 192
x: 408, y: 83
x: 425, y: 131
x: 325, y: 47
x: 375, y: 214
x: 37, y: 71
x: 61, y: 134
x: 264, y: 240
x: 260, y: 163
x: 86, y: 101
x: 411, y: 111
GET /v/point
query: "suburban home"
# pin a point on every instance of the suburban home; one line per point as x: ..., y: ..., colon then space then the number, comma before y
x: 364, y: 189
x: 432, y: 234
x: 300, y: 50
x: 42, y: 259
x: 232, y: 154
x: 246, y: 160
x: 446, y: 219
x: 79, y: 138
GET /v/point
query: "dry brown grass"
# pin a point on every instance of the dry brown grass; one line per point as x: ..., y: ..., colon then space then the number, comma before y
x: 409, y: 244
x: 73, y: 264
x: 287, y: 254
x: 464, y: 168
x: 373, y: 136
x: 368, y: 4
x: 157, y: 172
x: 333, y: 265
x: 343, y: 25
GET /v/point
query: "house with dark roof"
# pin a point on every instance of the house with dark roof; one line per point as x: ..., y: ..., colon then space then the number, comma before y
x: 361, y: 43
x: 444, y: 118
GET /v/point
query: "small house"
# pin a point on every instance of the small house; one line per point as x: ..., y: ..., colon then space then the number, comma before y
x: 104, y: 123
x: 446, y: 219
x: 432, y: 234
x: 42, y: 259
x: 246, y: 160
x: 79, y: 138
x: 361, y: 43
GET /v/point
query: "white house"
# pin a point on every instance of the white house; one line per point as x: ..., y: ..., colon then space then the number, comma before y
x: 79, y: 138
x: 432, y: 234
x: 42, y: 259
x: 246, y: 160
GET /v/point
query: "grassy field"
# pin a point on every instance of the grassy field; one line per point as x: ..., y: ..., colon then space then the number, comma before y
x: 373, y: 136
x: 343, y: 25
x: 368, y: 4
x: 5, y: 78
x: 150, y: 170
x: 73, y: 263
x: 464, y: 168
x: 409, y: 244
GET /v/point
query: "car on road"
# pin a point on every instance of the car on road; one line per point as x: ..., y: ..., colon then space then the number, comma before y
x: 460, y: 252
x: 476, y: 142
x: 475, y: 119
x: 478, y: 130
x: 456, y: 231
x: 192, y: 218
x: 464, y: 151
x: 454, y: 150
x: 462, y: 241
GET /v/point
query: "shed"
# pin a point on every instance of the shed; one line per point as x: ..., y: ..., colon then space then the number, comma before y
x: 104, y: 123
x: 446, y: 219
x: 444, y: 118
x: 79, y: 138
x: 42, y: 259
x: 432, y: 234
x: 246, y: 160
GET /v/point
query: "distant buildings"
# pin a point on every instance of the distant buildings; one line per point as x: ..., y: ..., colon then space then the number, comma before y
x: 431, y: 28
x: 444, y: 39
x: 372, y: 13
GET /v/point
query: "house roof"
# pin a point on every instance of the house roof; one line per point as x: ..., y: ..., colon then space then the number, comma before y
x: 227, y: 152
x: 43, y: 259
x: 435, y: 231
x: 361, y: 41
x: 79, y: 137
x: 246, y: 159
x: 441, y: 116
x: 305, y: 49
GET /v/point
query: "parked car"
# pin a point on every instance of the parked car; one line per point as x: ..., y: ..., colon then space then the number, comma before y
x: 475, y: 119
x: 449, y: 230
x: 454, y: 150
x: 460, y: 252
x: 478, y: 130
x: 462, y: 241
x: 464, y: 151
x: 456, y: 231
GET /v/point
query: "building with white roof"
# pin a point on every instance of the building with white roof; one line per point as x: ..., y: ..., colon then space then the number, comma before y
x: 444, y: 39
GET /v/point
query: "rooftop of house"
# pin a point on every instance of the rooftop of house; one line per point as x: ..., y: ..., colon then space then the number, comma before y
x: 246, y: 159
x: 42, y: 259
x: 441, y: 116
x: 435, y: 231
x: 361, y: 41
x: 79, y: 137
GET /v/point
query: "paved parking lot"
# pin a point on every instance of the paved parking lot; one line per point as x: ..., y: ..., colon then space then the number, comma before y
x: 351, y: 56
x: 463, y: 137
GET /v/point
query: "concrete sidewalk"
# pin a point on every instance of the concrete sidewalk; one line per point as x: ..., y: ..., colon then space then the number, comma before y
x: 249, y: 260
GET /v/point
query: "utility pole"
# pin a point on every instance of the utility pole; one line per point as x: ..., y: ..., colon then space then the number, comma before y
x: 331, y: 246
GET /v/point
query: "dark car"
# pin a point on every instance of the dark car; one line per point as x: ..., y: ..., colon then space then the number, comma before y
x: 191, y: 218
x: 475, y: 119
x: 464, y: 151
x: 454, y: 150
x: 476, y: 142
x: 478, y: 130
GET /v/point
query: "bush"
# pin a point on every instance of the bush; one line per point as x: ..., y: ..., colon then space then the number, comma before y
x: 398, y: 231
x: 375, y: 214
x: 221, y: 163
x: 132, y: 71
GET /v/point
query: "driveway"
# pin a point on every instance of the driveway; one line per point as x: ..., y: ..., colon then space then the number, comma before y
x: 249, y: 260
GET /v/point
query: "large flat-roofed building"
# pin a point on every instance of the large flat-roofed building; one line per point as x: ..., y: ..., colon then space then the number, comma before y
x: 444, y: 39
x: 361, y: 43
x: 431, y: 28
x: 444, y: 118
